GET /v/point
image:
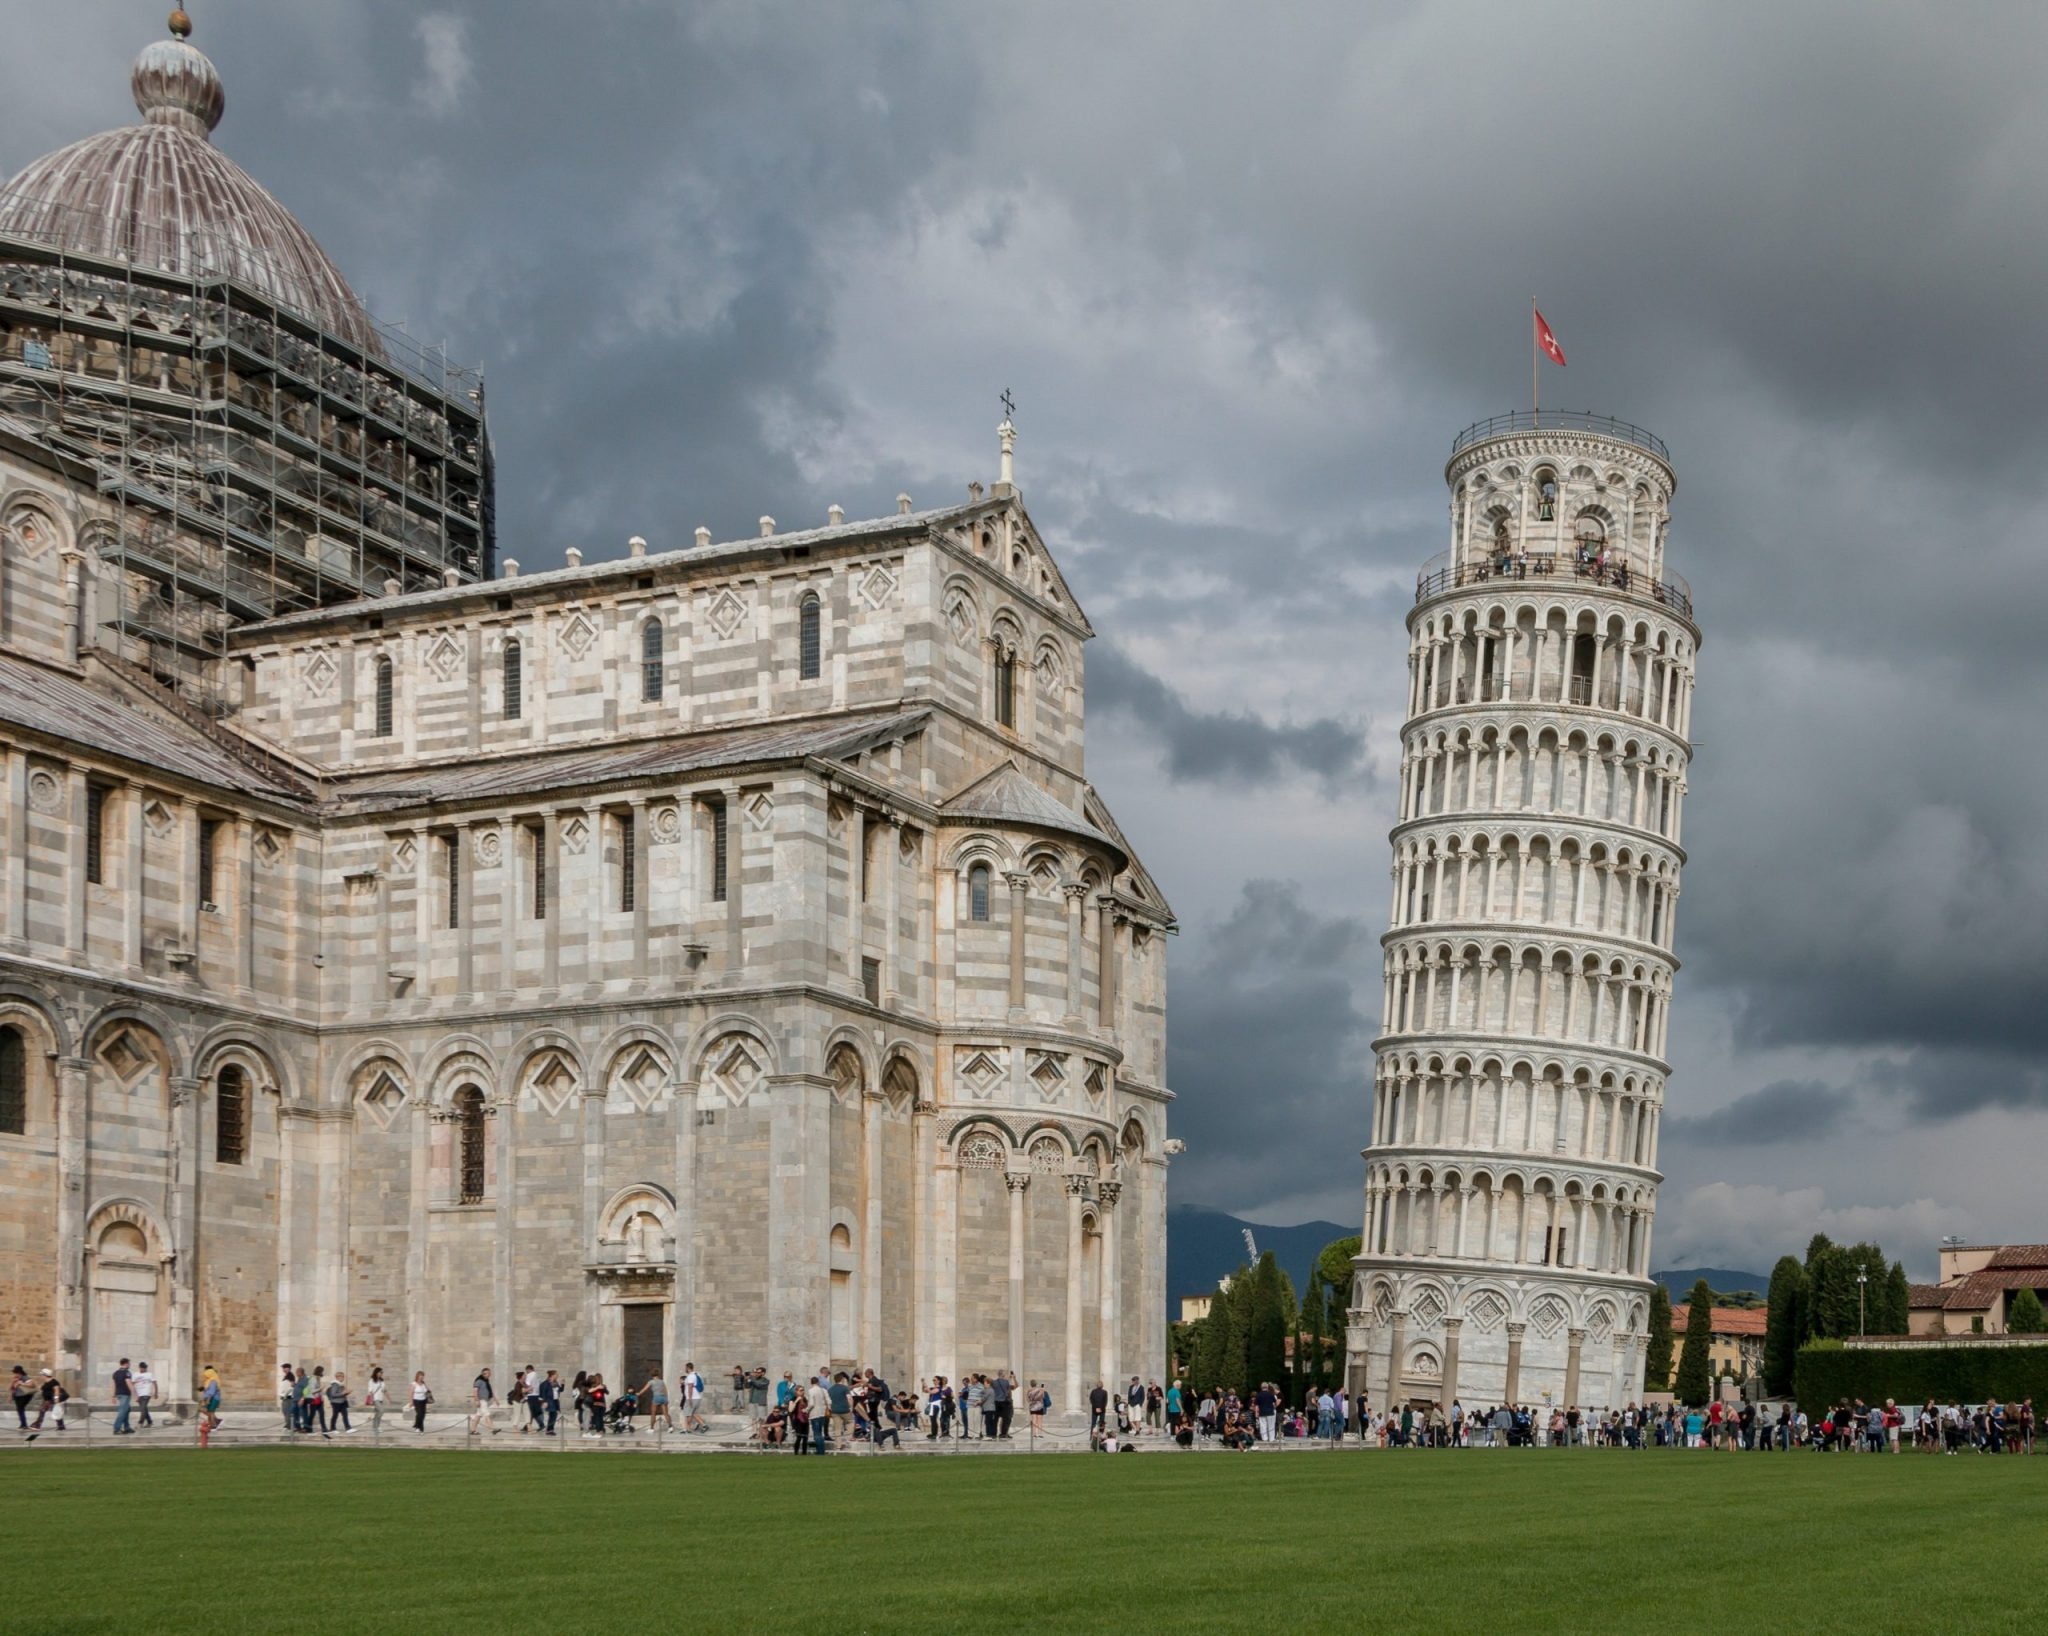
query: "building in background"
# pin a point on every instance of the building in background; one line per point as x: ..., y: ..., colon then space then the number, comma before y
x: 1511, y: 1177
x: 1977, y: 1287
x: 717, y: 953
x: 1735, y: 1343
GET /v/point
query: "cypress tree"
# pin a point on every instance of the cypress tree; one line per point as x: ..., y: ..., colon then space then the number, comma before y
x: 1657, y: 1354
x: 1266, y: 1330
x: 1695, y: 1383
x: 2027, y: 1317
x: 1237, y: 1338
x: 1784, y: 1325
x: 1898, y: 1300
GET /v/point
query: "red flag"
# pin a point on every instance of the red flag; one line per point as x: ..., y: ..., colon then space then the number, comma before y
x: 1547, y: 341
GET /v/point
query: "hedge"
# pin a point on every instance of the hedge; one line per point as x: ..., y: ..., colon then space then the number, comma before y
x: 1829, y: 1372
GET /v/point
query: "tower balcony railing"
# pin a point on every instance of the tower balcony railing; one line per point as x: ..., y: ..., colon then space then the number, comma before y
x: 1443, y: 574
x: 1611, y: 695
x: 1559, y: 420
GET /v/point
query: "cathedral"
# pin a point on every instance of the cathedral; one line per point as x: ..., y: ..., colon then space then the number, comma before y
x: 713, y: 954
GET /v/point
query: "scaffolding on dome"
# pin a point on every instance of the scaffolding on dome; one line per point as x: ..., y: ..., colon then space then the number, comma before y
x: 252, y: 462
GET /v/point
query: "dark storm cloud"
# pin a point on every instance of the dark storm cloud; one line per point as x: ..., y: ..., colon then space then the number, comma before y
x: 1268, y: 1051
x: 1220, y: 746
x: 1249, y: 269
x: 1791, y: 1110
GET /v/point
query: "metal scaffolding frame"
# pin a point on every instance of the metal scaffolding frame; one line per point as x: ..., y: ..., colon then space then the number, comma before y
x: 255, y: 463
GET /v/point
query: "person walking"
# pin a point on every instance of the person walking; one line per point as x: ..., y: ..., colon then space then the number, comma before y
x: 375, y: 1396
x: 550, y: 1393
x: 209, y: 1403
x: 483, y: 1400
x: 145, y: 1389
x: 422, y: 1395
x: 313, y: 1399
x: 595, y: 1395
x: 693, y: 1400
x: 819, y: 1401
x: 1266, y: 1404
x: 288, y: 1398
x: 536, y: 1411
x: 124, y: 1399
x: 656, y: 1394
x: 23, y: 1393
x: 1004, y: 1391
x: 337, y: 1406
x: 51, y: 1414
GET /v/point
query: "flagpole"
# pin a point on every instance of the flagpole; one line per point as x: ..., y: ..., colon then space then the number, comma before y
x: 1535, y: 370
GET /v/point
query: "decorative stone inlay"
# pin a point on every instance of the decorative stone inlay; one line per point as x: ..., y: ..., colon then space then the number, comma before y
x: 156, y: 818
x: 553, y: 1079
x: 981, y: 1152
x: 45, y: 794
x: 490, y: 848
x: 877, y: 586
x: 575, y: 836
x: 384, y: 1096
x: 444, y: 654
x: 1548, y: 1315
x: 403, y: 852
x: 960, y: 621
x: 760, y: 811
x: 1047, y: 1155
x: 738, y: 1071
x: 317, y: 672
x: 726, y: 612
x: 642, y: 1075
x: 1486, y: 1311
x: 577, y: 634
x: 980, y: 1072
x: 124, y: 1056
x: 1049, y: 1074
x: 269, y: 847
x: 1428, y: 1308
x: 29, y: 532
x: 667, y: 824
x: 1097, y: 1085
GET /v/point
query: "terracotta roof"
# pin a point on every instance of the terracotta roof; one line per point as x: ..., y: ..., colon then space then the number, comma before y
x: 1726, y: 1320
x: 1980, y: 1291
x: 1926, y: 1297
x: 63, y: 707
x: 615, y: 763
x: 2011, y: 1256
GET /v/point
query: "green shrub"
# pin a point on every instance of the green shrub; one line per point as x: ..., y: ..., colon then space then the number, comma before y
x: 1829, y: 1372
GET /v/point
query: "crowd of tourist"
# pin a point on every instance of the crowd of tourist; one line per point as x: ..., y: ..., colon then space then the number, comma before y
x: 846, y: 1408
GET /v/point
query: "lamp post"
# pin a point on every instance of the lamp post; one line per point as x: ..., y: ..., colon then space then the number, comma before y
x: 1862, y: 1278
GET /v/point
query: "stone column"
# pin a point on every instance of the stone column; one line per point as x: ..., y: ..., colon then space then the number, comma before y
x: 551, y: 927
x: 189, y: 823
x: 462, y: 882
x: 1106, y: 1197
x: 735, y: 870
x: 1020, y: 887
x: 643, y: 888
x: 1076, y: 1389
x: 890, y: 842
x: 505, y: 1205
x: 946, y: 1264
x: 592, y: 1206
x: 1577, y: 1342
x: 683, y: 1314
x: 1511, y: 1390
x: 1397, y: 1340
x: 1452, y: 1326
x: 1074, y: 892
x: 245, y: 906
x: 422, y: 913
x: 856, y: 894
x: 74, y: 1096
x: 75, y: 898
x: 1017, y: 1182
x: 184, y: 1231
x: 17, y: 846
x: 872, y: 1108
x: 799, y: 1219
x: 418, y: 1326
x: 1105, y: 954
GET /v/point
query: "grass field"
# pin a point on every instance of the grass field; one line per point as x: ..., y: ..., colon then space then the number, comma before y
x: 344, y: 1540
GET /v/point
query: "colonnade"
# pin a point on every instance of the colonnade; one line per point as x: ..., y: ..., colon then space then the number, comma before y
x: 1559, y: 772
x: 1646, y: 677
x: 1507, y: 1222
x: 1606, y: 1123
x: 1624, y: 894
x: 1538, y: 993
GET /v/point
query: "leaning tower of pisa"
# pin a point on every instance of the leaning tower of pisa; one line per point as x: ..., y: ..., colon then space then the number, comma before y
x: 1519, y: 1078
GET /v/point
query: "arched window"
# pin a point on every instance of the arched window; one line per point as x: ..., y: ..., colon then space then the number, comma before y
x: 384, y: 693
x: 807, y: 645
x: 469, y: 1114
x: 514, y: 680
x: 13, y: 1083
x: 1546, y: 496
x: 1591, y: 534
x: 1006, y: 687
x: 651, y: 668
x: 231, y: 1117
x: 977, y: 892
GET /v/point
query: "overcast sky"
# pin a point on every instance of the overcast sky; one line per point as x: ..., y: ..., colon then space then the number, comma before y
x: 1247, y: 269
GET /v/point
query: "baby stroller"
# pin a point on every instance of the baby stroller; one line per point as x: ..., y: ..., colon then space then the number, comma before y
x: 619, y: 1418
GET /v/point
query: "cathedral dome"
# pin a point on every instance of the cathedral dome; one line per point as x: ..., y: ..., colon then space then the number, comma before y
x: 162, y: 195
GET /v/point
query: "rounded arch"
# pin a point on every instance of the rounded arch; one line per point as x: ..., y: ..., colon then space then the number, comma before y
x: 533, y: 1045
x: 715, y: 1029
x: 268, y: 1068
x: 638, y: 1221
x: 124, y: 1210
x: 176, y: 1059
x: 38, y: 1018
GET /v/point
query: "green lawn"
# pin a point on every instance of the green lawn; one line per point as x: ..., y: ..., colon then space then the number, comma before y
x: 143, y: 1542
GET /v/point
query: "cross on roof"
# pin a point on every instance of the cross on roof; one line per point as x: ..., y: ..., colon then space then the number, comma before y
x: 1009, y: 405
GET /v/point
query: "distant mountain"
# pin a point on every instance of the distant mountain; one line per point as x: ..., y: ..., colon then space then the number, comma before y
x: 1722, y: 1280
x: 1205, y: 1245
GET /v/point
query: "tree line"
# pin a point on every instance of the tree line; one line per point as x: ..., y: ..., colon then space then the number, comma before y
x: 1243, y: 1339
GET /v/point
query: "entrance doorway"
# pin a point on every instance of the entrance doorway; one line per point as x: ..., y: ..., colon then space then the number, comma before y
x: 642, y: 1348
